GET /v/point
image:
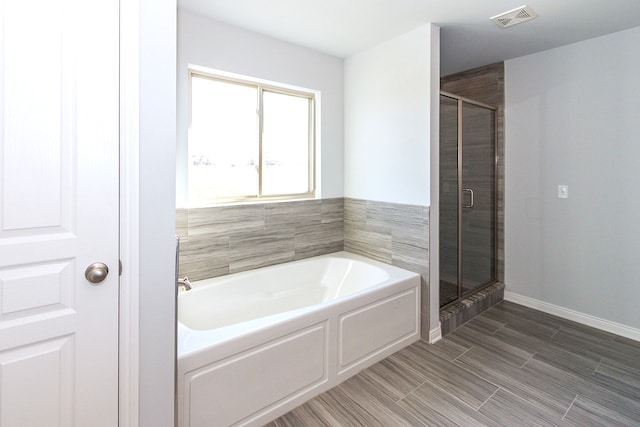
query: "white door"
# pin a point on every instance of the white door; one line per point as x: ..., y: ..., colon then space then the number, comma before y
x: 58, y: 212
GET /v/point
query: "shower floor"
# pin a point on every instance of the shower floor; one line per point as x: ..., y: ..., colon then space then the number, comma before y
x: 448, y: 292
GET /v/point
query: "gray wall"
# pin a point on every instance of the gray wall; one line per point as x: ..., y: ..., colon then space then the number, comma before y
x: 572, y: 118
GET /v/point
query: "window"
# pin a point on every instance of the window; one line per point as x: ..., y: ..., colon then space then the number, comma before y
x: 249, y: 141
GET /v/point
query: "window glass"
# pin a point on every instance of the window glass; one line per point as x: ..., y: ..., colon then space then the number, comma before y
x: 248, y: 141
x: 285, y: 144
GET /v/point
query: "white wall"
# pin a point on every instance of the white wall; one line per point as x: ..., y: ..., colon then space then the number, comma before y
x: 572, y: 117
x: 156, y: 238
x: 387, y: 125
x: 434, y: 211
x: 209, y: 43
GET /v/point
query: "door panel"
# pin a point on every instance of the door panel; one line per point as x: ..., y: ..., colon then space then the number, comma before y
x: 478, y: 197
x: 58, y: 212
x: 448, y: 200
x: 48, y: 364
x: 467, y: 198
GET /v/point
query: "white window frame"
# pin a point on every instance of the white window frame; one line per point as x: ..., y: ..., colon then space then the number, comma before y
x: 261, y: 87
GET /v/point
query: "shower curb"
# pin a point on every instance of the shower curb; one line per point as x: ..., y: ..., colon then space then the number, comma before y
x: 461, y: 312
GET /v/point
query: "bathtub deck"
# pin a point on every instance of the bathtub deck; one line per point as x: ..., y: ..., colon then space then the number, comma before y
x: 509, y: 366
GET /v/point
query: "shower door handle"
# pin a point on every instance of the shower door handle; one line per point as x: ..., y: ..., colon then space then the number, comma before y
x: 470, y: 205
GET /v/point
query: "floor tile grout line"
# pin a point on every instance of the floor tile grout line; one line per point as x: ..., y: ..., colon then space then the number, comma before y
x: 458, y: 399
x: 499, y: 329
x: 528, y: 360
x: 411, y: 413
x: 462, y: 354
x: 517, y: 396
x: 411, y: 392
x: 488, y: 398
x: 477, y: 374
x: 597, y: 366
x: 569, y: 408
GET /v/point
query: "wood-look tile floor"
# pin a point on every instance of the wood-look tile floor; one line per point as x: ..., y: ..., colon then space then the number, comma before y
x: 510, y: 366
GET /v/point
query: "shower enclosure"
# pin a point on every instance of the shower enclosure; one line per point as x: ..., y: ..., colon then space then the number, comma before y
x: 468, y: 261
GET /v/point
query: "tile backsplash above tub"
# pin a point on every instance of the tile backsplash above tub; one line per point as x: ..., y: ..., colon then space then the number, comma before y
x: 227, y: 239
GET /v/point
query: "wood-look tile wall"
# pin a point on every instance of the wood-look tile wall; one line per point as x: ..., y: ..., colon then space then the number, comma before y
x: 228, y: 239
x: 395, y: 234
x: 486, y: 84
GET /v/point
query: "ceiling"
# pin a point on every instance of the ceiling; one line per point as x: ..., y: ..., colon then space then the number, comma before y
x: 468, y: 38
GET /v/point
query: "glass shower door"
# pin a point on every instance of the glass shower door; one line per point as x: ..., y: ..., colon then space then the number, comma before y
x: 478, y: 198
x: 467, y: 197
x: 448, y: 200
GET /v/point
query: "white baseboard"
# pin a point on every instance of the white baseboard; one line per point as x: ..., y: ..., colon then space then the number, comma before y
x: 435, y: 334
x: 576, y: 316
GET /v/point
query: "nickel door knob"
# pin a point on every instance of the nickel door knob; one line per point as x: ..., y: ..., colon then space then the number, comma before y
x: 96, y: 272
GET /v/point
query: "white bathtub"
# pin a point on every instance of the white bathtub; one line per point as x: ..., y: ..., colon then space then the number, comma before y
x: 256, y: 344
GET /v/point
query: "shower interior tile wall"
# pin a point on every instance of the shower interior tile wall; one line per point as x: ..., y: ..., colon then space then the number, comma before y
x: 227, y: 239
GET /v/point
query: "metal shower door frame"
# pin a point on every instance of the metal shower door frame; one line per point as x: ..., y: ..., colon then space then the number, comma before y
x: 460, y: 101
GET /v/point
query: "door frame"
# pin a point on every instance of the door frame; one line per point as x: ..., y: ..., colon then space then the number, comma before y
x: 460, y: 100
x: 147, y: 147
x: 129, y: 343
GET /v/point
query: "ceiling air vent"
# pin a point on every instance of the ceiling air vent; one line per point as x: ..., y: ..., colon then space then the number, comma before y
x: 513, y: 17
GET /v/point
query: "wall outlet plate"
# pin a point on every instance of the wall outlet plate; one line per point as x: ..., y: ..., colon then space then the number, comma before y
x: 563, y: 191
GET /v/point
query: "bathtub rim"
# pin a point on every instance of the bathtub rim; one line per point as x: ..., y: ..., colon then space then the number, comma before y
x: 339, y: 254
x: 191, y: 342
